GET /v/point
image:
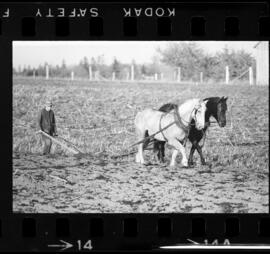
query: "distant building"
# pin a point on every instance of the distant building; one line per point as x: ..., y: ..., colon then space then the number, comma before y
x: 262, y: 63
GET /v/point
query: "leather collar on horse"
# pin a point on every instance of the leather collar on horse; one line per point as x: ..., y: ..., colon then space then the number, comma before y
x: 179, y: 122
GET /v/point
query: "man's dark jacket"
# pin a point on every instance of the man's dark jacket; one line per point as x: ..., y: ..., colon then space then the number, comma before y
x: 46, y: 121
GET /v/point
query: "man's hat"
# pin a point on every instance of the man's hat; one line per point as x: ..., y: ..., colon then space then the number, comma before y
x: 48, y: 103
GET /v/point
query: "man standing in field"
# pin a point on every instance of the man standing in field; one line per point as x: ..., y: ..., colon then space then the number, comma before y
x: 46, y: 123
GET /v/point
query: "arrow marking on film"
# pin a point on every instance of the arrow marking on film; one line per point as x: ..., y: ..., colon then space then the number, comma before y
x: 64, y: 246
x: 192, y: 241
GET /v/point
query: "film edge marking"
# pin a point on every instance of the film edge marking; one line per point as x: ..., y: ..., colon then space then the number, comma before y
x: 201, y: 246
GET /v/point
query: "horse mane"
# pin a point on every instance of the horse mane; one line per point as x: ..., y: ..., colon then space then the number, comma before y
x: 171, y: 106
x: 212, y: 99
x: 168, y: 107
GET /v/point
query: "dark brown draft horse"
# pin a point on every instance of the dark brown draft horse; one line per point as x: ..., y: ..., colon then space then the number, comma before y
x: 216, y: 107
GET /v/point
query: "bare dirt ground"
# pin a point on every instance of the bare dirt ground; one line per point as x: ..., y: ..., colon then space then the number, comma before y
x: 92, y: 116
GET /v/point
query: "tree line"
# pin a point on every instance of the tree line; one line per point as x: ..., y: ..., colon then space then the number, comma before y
x: 191, y: 59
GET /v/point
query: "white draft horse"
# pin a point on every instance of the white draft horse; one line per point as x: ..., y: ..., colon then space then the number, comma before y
x: 150, y: 121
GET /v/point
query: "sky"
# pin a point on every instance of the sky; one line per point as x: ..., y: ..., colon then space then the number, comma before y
x: 34, y: 53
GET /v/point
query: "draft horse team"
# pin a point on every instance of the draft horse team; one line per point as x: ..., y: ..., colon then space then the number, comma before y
x: 175, y: 124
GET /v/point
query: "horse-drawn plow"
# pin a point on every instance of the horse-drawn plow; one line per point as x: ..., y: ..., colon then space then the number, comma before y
x: 104, y: 177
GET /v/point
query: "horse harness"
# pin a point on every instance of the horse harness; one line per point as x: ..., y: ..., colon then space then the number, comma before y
x: 179, y: 122
x: 160, y: 129
x: 181, y: 125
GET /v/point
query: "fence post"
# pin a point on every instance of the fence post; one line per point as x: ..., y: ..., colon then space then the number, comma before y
x: 47, y: 71
x: 34, y: 73
x: 96, y: 75
x: 156, y: 77
x: 113, y: 76
x: 227, y: 80
x: 127, y: 76
x: 251, y: 80
x: 90, y: 72
x: 179, y: 74
x: 201, y: 77
x: 72, y: 75
x: 132, y: 72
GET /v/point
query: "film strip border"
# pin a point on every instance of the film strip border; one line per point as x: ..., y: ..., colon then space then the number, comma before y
x: 121, y: 21
x: 132, y: 231
x: 183, y: 21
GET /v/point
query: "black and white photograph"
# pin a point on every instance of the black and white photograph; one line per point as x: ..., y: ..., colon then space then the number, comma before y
x: 140, y: 127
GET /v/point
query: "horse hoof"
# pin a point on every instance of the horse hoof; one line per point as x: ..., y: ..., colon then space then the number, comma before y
x: 139, y: 159
x: 191, y: 163
x: 185, y: 165
x: 161, y: 161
